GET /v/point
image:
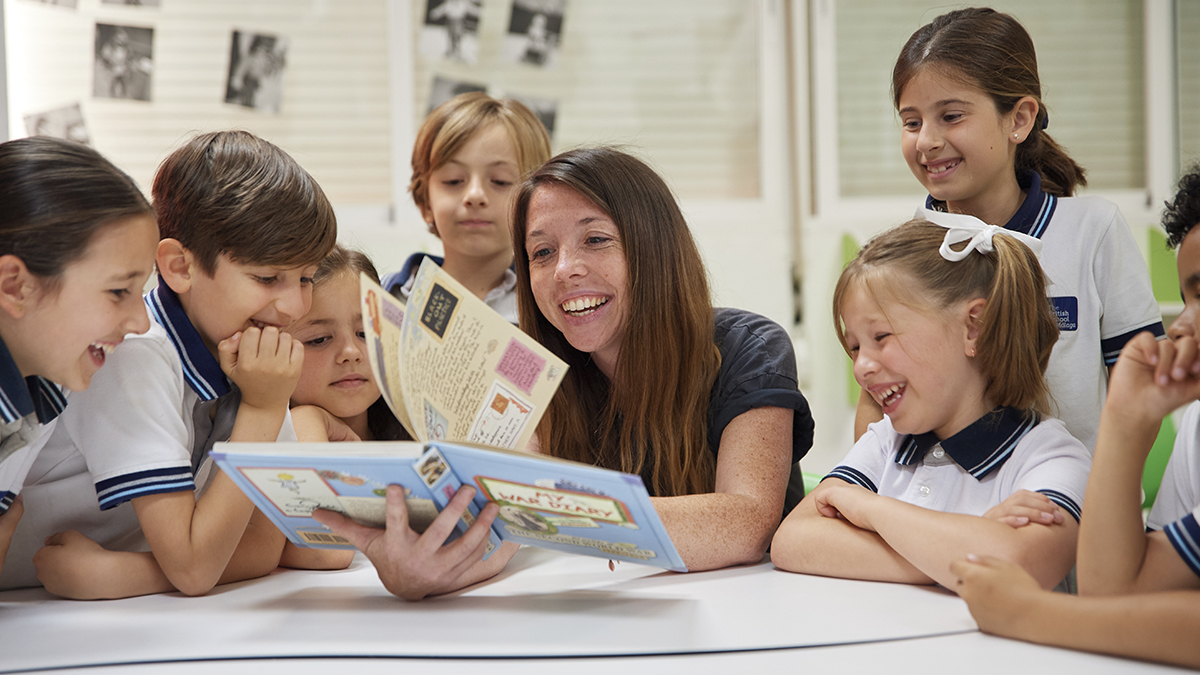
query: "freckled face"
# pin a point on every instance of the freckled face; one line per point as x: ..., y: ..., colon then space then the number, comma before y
x: 337, y: 373
x: 578, y: 272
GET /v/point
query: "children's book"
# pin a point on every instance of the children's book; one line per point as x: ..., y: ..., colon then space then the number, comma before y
x: 545, y: 502
x: 451, y: 368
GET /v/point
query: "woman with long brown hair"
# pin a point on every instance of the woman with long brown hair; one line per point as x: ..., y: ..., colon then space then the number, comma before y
x: 702, y: 403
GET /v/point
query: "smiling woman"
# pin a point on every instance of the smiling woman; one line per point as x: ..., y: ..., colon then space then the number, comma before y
x: 702, y: 403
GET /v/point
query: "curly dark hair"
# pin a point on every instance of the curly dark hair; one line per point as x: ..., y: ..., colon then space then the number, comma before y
x: 1184, y: 213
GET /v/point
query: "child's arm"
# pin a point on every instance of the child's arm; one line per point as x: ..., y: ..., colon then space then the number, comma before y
x: 8, y: 525
x: 1006, y: 601
x: 193, y: 540
x: 314, y: 424
x: 868, y: 412
x: 733, y: 524
x: 1151, y: 379
x: 811, y: 543
x: 413, y: 566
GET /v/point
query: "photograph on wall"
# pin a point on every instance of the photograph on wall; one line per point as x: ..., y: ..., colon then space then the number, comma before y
x: 134, y: 3
x: 444, y: 89
x: 534, y: 32
x: 72, y: 4
x: 451, y: 30
x: 256, y: 65
x: 124, y: 62
x: 64, y: 122
x: 546, y: 109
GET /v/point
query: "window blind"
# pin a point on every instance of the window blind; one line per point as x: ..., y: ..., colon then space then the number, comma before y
x: 1090, y: 63
x: 676, y: 82
x: 333, y: 110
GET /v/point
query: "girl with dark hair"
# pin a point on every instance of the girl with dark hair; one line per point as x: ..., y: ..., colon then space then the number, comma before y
x: 77, y: 243
x: 974, y: 133
x: 952, y: 340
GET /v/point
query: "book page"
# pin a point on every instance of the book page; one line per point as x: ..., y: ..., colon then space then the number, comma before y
x: 466, y: 374
x: 383, y: 317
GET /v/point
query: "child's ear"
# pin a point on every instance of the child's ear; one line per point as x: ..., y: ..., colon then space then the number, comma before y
x: 427, y: 215
x: 1024, y: 116
x: 17, y: 286
x: 974, y: 323
x: 176, y: 264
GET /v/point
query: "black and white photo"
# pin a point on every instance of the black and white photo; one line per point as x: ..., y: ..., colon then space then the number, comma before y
x: 444, y: 89
x: 135, y: 3
x: 72, y: 4
x: 451, y: 30
x: 546, y: 109
x: 66, y: 122
x: 124, y: 62
x: 534, y: 32
x: 256, y: 65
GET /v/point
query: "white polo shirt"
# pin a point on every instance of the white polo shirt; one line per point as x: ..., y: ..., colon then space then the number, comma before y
x: 502, y: 298
x: 143, y: 427
x: 29, y: 407
x: 1177, y: 506
x: 975, y: 469
x: 1099, y: 287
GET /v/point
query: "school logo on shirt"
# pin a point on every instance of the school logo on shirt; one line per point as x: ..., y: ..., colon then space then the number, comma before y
x: 1066, y: 310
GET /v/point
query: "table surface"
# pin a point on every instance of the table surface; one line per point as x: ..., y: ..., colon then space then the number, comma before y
x: 546, y: 611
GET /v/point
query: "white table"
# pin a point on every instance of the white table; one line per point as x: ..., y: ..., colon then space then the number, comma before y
x: 544, y: 605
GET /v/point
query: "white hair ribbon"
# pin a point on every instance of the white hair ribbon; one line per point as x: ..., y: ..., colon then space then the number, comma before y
x: 978, y: 234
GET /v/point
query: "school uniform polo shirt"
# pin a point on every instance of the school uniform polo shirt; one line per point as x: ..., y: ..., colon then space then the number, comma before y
x: 1177, y: 506
x: 143, y: 427
x: 502, y: 298
x: 975, y: 469
x: 1099, y: 289
x: 29, y: 407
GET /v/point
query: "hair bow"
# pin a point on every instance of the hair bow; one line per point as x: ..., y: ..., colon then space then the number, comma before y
x: 975, y: 232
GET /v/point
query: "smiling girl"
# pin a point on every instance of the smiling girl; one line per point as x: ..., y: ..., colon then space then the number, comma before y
x: 470, y: 152
x: 952, y: 341
x: 77, y: 242
x: 969, y: 98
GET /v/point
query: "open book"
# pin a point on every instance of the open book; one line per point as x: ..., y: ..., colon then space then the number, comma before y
x: 451, y: 368
x: 545, y: 502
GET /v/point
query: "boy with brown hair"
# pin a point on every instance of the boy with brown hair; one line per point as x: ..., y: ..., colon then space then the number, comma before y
x: 242, y: 229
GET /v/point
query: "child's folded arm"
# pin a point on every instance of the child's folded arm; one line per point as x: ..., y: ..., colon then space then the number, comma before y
x: 73, y: 566
x: 812, y: 543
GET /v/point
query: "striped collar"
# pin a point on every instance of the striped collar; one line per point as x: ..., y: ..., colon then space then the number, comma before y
x: 200, y: 368
x: 1035, y: 213
x: 20, y: 396
x: 984, y: 446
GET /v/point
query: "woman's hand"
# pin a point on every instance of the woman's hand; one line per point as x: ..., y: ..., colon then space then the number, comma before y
x: 413, y: 565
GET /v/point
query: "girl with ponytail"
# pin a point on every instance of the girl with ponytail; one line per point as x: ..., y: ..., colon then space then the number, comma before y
x: 974, y: 133
x: 950, y: 333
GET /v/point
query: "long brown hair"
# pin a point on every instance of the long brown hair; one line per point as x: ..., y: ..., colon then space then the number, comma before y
x: 652, y: 418
x: 992, y: 51
x: 1017, y: 328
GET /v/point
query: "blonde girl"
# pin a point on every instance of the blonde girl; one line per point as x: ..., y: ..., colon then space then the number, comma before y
x: 951, y: 340
x: 974, y: 133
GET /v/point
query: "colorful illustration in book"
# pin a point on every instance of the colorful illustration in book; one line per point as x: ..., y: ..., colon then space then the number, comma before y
x: 432, y: 468
x: 557, y: 502
x: 501, y: 419
x: 525, y: 519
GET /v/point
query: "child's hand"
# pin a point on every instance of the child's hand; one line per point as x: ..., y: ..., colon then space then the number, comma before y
x: 413, y: 565
x: 1024, y: 507
x: 847, y: 501
x: 1000, y: 594
x: 265, y: 364
x: 1154, y: 377
x: 8, y: 525
x: 70, y: 565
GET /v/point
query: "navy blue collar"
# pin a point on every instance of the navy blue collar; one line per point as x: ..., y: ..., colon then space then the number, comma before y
x: 200, y: 368
x: 391, y: 282
x: 20, y: 396
x: 1035, y: 213
x: 984, y: 446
